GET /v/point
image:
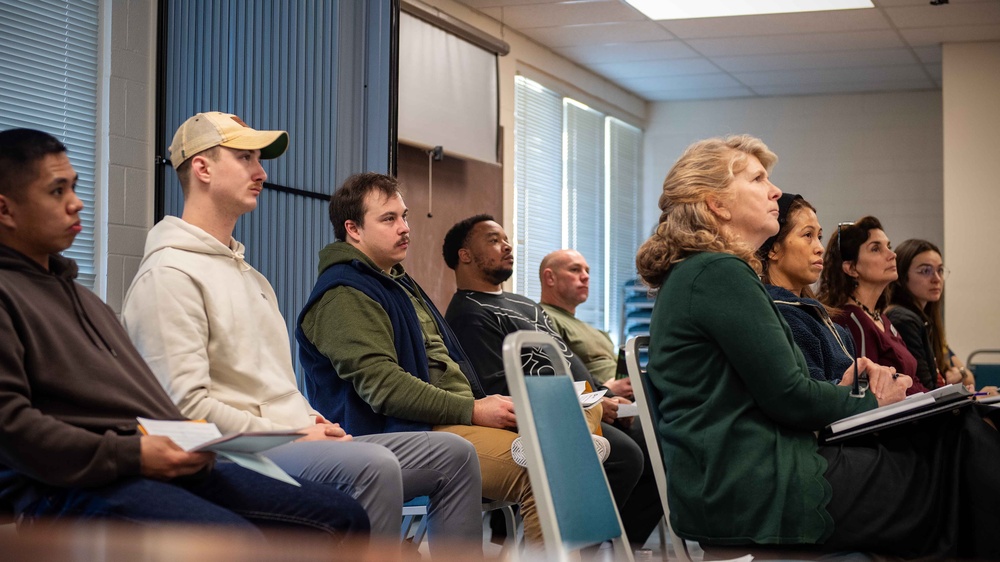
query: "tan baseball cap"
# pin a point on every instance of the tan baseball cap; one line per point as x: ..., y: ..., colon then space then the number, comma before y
x: 214, y: 128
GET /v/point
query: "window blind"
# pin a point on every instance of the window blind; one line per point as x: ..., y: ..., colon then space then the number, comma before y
x: 49, y: 82
x: 623, y: 168
x: 538, y: 181
x: 576, y: 183
x: 584, y: 191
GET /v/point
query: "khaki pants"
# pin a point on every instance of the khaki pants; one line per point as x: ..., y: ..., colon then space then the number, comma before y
x: 503, y: 479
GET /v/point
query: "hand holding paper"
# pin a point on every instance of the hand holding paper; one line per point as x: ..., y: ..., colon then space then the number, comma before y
x: 243, y: 448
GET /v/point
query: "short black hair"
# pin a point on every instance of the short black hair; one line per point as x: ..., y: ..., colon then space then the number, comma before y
x: 20, y: 151
x: 348, y: 202
x: 457, y: 237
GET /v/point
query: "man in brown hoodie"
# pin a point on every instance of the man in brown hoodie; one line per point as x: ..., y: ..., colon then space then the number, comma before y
x: 72, y: 384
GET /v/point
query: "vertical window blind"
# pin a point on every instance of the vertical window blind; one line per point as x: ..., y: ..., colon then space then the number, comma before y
x: 576, y: 183
x: 49, y: 82
x: 623, y: 166
x: 583, y: 176
x: 538, y: 223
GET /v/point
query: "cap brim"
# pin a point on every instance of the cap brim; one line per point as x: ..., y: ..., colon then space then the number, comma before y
x: 271, y: 144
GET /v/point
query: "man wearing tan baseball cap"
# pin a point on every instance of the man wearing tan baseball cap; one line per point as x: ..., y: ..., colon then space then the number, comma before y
x: 214, y: 128
x: 208, y: 324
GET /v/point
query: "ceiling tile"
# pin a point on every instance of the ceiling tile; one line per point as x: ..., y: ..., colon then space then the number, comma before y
x: 480, y: 4
x: 495, y: 13
x: 913, y: 71
x: 837, y: 59
x: 930, y: 53
x: 820, y: 42
x: 893, y: 3
x: 947, y: 15
x: 893, y: 47
x: 689, y: 82
x: 623, y: 52
x: 568, y: 13
x: 843, y: 87
x: 778, y: 24
x: 570, y: 35
x: 935, y: 71
x: 695, y: 94
x: 652, y: 68
x: 958, y: 34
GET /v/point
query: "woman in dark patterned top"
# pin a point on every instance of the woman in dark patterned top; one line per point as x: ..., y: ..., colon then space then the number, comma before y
x: 858, y: 266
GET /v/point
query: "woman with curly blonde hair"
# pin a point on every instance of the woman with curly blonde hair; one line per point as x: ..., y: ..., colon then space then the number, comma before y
x: 699, y: 182
x: 738, y: 408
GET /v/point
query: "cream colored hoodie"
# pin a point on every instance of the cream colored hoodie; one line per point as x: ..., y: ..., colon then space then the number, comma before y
x: 209, y: 326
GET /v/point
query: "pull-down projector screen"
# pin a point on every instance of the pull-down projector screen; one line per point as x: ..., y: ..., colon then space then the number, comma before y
x: 447, y: 92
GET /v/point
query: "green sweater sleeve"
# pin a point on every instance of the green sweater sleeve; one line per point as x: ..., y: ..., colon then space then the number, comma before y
x: 734, y: 309
x: 356, y: 335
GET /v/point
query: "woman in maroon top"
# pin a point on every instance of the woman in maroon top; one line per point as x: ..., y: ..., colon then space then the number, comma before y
x: 858, y: 266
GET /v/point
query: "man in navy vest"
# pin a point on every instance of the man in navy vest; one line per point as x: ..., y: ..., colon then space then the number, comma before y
x: 209, y: 326
x: 378, y: 355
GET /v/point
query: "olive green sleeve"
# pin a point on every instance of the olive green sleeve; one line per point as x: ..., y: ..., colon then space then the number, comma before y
x: 355, y: 334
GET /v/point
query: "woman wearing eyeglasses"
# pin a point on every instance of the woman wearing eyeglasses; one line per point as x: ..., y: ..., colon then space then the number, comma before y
x: 858, y: 267
x: 739, y: 409
x: 916, y: 313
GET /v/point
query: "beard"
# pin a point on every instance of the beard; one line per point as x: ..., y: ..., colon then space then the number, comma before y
x: 495, y: 275
x: 498, y: 275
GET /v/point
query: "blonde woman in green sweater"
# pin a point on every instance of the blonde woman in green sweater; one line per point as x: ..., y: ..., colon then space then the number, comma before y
x: 739, y: 410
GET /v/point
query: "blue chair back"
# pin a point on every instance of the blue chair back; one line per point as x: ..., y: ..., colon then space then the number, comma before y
x: 572, y: 496
x: 987, y: 372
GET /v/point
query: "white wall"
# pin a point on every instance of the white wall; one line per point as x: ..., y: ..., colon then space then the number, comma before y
x: 848, y: 155
x: 971, y: 74
x: 131, y: 125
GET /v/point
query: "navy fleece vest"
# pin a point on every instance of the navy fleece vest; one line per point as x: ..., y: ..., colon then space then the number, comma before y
x: 337, y: 399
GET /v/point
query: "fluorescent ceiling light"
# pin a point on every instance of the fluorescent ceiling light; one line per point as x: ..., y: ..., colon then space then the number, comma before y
x: 689, y: 9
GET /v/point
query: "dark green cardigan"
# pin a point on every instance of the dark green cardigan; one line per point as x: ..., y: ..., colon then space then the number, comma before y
x: 739, y: 410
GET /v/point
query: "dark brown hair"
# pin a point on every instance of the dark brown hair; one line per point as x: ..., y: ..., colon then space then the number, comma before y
x: 900, y: 295
x: 835, y: 286
x: 348, y: 202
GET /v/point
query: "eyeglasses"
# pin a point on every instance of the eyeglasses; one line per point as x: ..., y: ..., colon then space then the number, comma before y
x: 928, y: 272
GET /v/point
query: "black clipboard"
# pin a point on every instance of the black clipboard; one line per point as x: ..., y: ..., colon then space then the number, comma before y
x: 827, y: 437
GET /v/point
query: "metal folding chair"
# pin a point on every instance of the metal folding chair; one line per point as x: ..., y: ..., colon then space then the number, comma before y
x: 648, y: 417
x: 572, y: 496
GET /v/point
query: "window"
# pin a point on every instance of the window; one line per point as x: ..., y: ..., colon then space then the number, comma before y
x: 576, y: 182
x: 48, y: 81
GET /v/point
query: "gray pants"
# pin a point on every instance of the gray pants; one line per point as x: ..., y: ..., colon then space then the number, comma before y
x: 381, y: 471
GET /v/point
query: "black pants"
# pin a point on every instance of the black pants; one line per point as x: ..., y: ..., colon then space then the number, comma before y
x: 632, y: 485
x: 927, y: 489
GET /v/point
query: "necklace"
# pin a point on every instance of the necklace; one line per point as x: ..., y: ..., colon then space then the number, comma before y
x: 876, y: 314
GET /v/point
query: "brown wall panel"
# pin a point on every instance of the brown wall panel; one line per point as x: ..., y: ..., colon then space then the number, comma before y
x: 461, y: 188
